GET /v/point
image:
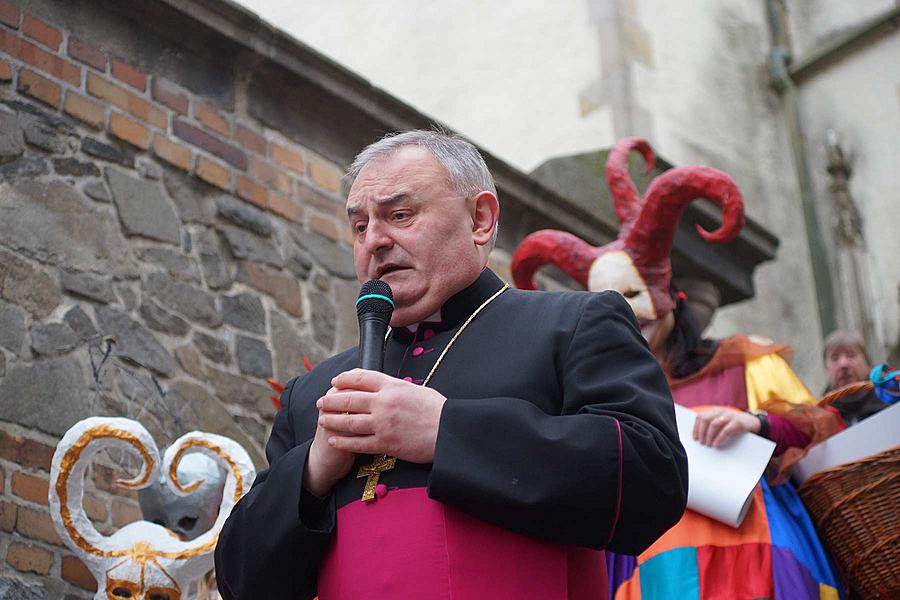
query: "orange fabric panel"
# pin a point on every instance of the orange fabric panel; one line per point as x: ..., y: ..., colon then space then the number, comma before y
x: 695, y: 530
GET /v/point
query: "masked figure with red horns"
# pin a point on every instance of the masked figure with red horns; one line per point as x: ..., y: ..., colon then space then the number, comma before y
x: 735, y: 385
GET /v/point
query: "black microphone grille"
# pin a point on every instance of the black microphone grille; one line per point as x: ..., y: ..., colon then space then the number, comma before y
x: 375, y: 296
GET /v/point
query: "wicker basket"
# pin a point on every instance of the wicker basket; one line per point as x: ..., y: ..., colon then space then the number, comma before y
x: 856, y: 509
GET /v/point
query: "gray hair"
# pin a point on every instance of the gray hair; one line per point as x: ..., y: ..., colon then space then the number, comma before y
x: 465, y: 167
x: 843, y: 338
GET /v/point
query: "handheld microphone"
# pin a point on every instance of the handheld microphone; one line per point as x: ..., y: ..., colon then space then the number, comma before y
x: 373, y: 309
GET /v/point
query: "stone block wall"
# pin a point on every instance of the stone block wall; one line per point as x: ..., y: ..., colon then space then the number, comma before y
x: 160, y: 258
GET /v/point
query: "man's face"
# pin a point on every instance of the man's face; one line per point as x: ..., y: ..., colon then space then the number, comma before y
x: 845, y: 364
x: 413, y: 231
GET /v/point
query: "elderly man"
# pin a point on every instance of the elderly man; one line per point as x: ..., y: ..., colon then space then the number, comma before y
x: 846, y: 362
x: 523, y: 432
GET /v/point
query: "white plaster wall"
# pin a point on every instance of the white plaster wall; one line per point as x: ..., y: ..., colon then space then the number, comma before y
x: 501, y: 73
x: 859, y: 97
x: 813, y: 22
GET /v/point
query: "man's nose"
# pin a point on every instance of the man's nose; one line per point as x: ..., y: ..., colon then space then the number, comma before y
x: 377, y: 238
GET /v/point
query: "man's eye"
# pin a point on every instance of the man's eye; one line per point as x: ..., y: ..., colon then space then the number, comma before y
x: 359, y: 228
x: 401, y: 215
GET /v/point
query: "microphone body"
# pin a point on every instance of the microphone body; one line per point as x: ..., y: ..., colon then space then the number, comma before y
x: 373, y: 309
x: 372, y: 330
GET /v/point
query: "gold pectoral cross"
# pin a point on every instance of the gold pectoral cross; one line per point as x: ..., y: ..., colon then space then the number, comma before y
x: 380, y: 464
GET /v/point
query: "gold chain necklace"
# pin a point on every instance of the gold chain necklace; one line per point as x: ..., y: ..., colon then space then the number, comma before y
x: 383, y: 462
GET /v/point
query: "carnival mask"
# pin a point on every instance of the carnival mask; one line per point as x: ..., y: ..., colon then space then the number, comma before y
x: 143, y: 560
x: 637, y: 263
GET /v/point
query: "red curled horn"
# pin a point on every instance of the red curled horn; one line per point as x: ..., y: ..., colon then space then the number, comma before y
x: 623, y: 191
x: 650, y: 238
x: 548, y: 246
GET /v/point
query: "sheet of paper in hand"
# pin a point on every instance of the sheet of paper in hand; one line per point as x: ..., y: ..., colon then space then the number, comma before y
x: 721, y: 480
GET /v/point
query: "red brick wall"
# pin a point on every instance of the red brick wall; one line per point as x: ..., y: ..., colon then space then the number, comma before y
x: 76, y: 77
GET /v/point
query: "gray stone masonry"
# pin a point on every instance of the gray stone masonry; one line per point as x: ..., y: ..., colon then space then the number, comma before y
x: 143, y: 209
x: 244, y: 311
x: 253, y: 357
x: 49, y: 395
x: 50, y: 339
x: 90, y: 285
x: 212, y: 348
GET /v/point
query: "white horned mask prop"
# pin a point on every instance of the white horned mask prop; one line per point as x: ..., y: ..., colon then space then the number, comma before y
x: 143, y: 560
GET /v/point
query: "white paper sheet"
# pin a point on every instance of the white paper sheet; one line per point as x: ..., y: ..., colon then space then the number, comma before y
x: 721, y: 480
x: 876, y: 434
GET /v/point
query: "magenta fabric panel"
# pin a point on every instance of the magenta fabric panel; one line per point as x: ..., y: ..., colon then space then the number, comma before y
x: 785, y: 434
x: 725, y: 388
x: 430, y: 550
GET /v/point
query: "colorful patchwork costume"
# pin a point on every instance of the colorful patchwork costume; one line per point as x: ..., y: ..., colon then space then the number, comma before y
x: 775, y: 553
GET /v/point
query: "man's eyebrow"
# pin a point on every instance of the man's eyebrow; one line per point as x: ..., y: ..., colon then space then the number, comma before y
x: 355, y: 209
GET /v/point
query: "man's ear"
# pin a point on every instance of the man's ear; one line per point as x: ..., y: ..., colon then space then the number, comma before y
x: 485, y: 215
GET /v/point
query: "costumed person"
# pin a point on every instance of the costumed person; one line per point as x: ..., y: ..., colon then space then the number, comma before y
x: 735, y: 384
x: 515, y: 434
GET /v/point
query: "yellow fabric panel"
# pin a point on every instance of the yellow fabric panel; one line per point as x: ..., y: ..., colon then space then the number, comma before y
x: 826, y: 592
x: 769, y: 377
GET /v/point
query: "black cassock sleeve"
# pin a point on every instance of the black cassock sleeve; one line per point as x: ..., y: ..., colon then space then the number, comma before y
x: 271, y: 544
x: 607, y: 471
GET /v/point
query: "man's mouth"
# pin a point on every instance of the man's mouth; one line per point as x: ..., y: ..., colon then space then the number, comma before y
x: 387, y: 269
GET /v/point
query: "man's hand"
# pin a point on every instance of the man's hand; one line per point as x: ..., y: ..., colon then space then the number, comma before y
x: 325, y: 465
x: 718, y: 426
x: 372, y: 413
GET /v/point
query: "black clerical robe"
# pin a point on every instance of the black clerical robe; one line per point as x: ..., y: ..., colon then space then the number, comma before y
x: 557, y: 440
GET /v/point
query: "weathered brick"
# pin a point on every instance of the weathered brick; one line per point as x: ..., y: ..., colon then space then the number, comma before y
x: 165, y: 92
x: 86, y: 53
x: 252, y: 192
x: 250, y: 140
x: 25, y: 451
x: 84, y: 109
x: 323, y: 225
x: 37, y: 525
x: 39, y: 88
x: 274, y: 177
x: 5, y: 71
x: 29, y: 559
x: 124, y: 512
x: 309, y: 196
x: 39, y: 58
x: 75, y: 572
x: 198, y: 137
x: 95, y: 508
x: 103, y: 88
x: 213, y: 173
x: 286, y: 157
x: 30, y: 487
x: 9, y: 13
x: 131, y: 131
x: 7, y: 516
x: 40, y: 31
x: 173, y: 153
x: 325, y: 175
x: 211, y: 118
x: 104, y: 478
x: 286, y: 206
x: 127, y: 74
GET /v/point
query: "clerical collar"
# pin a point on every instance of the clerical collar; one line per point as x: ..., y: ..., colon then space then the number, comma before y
x: 458, y: 308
